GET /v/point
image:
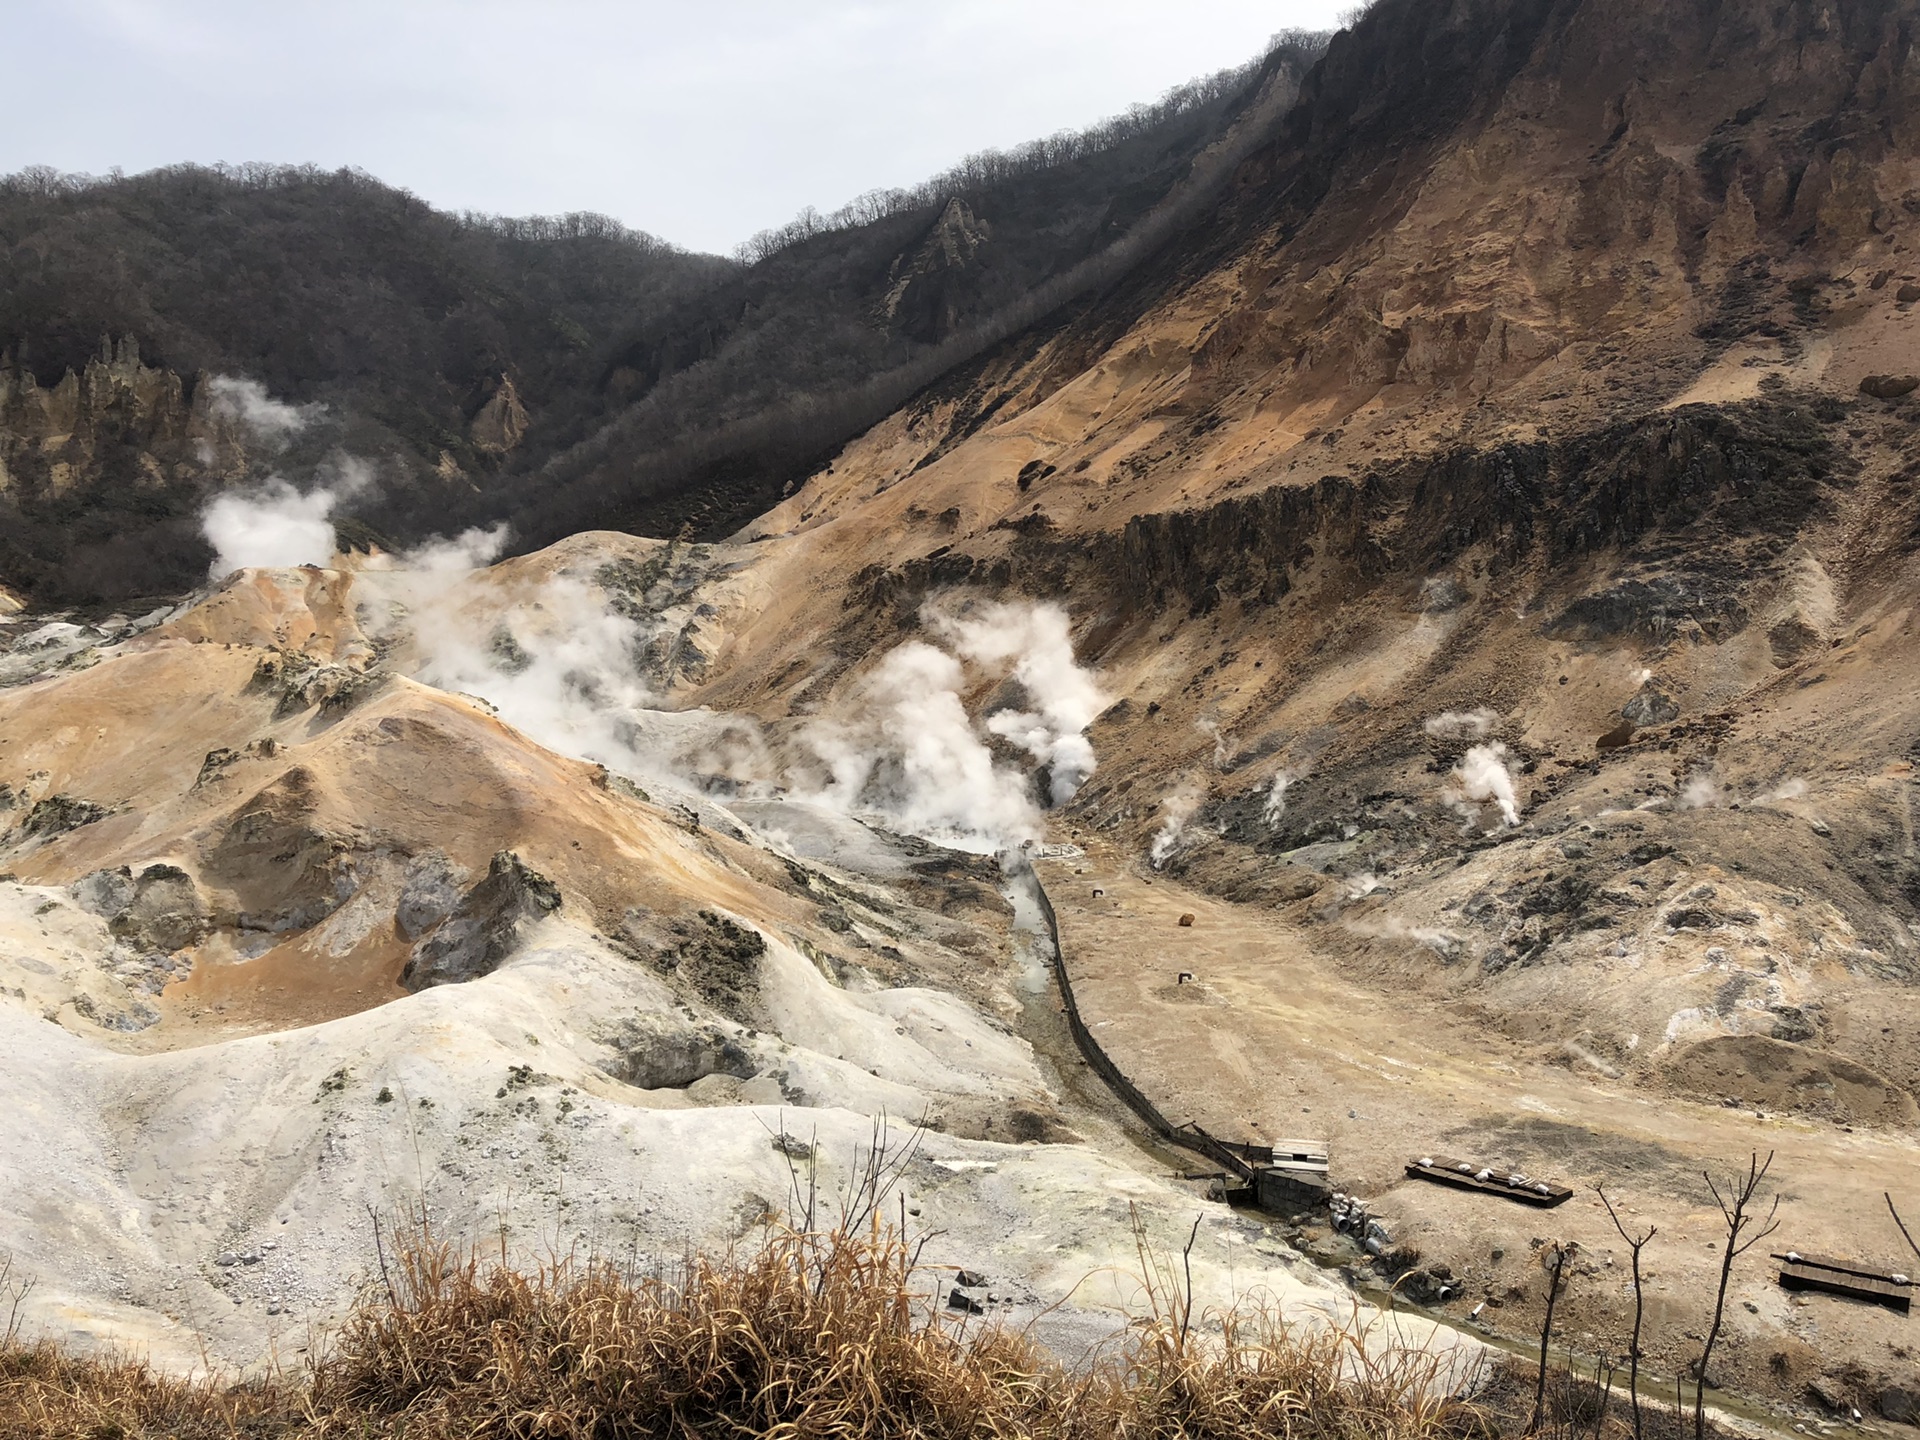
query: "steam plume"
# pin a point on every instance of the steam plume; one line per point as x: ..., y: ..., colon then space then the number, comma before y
x: 552, y: 659
x: 272, y: 525
x: 1481, y: 778
x: 273, y: 422
x: 1220, y: 751
x: 556, y: 663
x: 1702, y: 792
x: 1276, y: 802
x: 1178, y: 808
x: 1461, y: 724
x: 1392, y: 927
x: 910, y: 750
x: 907, y: 747
x: 1066, y: 697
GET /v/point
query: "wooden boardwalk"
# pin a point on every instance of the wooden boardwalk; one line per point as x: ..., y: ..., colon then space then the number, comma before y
x: 1845, y: 1277
x: 1507, y: 1184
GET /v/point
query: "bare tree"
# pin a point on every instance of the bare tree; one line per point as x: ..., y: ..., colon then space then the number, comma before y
x: 14, y: 1293
x: 1905, y: 1233
x: 1555, y: 1263
x: 1736, y: 1208
x: 1635, y: 1245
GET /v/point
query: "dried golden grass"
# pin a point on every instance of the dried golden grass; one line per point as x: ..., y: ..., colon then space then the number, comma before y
x: 813, y: 1334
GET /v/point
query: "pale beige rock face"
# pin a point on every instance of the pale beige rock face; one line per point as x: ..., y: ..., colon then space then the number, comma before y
x: 501, y: 423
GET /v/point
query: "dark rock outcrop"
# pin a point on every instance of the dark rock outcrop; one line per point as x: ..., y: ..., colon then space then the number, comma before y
x: 484, y: 928
x: 57, y: 814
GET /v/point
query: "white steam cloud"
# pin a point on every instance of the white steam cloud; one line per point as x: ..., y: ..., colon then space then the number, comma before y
x: 273, y: 525
x: 469, y: 550
x: 911, y: 751
x: 1276, y: 802
x: 908, y: 748
x: 1177, y: 809
x: 1220, y: 751
x: 1702, y: 792
x: 1392, y: 927
x: 273, y: 422
x: 1461, y: 724
x: 1482, y: 778
x: 1065, y: 697
x: 551, y: 658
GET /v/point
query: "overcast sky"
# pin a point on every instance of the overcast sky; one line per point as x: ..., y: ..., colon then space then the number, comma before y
x: 701, y: 121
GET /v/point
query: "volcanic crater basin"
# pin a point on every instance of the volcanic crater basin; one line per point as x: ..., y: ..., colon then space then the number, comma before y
x: 225, y: 1059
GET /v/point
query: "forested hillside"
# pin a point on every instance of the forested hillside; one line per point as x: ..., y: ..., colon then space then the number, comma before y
x: 557, y: 373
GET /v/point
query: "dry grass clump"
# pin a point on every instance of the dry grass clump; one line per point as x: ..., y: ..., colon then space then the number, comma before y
x: 814, y: 1334
x: 45, y: 1391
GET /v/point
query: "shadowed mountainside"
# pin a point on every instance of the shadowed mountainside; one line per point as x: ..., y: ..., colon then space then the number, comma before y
x: 564, y: 374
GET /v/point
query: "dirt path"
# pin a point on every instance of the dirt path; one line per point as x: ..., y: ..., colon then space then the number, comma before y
x: 1268, y: 1041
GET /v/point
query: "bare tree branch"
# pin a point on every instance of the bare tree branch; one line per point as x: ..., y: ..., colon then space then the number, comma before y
x: 1905, y: 1233
x: 1736, y: 1209
x: 1636, y: 1245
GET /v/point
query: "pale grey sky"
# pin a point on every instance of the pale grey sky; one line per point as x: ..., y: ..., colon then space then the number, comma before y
x: 701, y: 122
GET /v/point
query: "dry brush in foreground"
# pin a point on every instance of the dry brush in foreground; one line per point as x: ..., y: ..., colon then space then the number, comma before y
x: 829, y: 1334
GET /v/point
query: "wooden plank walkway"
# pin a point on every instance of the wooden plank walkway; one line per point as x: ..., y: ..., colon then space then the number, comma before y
x: 1507, y: 1184
x: 1296, y: 1154
x: 1850, y: 1278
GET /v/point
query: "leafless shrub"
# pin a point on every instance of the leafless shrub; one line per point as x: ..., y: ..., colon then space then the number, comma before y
x: 1635, y: 1244
x: 1554, y: 1261
x: 1905, y: 1233
x: 1736, y: 1209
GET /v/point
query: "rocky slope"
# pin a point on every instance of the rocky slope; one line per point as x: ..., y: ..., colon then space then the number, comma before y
x: 1477, y: 549
x: 1495, y: 530
x: 289, y: 940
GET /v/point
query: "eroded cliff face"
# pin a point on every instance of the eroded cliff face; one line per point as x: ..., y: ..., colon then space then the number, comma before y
x: 103, y: 473
x: 1507, y: 221
x: 118, y: 421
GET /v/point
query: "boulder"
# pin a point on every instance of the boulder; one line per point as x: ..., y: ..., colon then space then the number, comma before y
x: 106, y: 893
x: 1830, y: 1392
x: 1892, y: 387
x: 1899, y: 1403
x: 1651, y: 706
x: 1792, y: 638
x: 158, y: 909
x: 166, y: 911
x: 430, y: 893
x: 58, y: 814
x: 1619, y: 735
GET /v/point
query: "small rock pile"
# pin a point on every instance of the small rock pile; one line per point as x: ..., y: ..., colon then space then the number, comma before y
x: 1428, y: 1285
